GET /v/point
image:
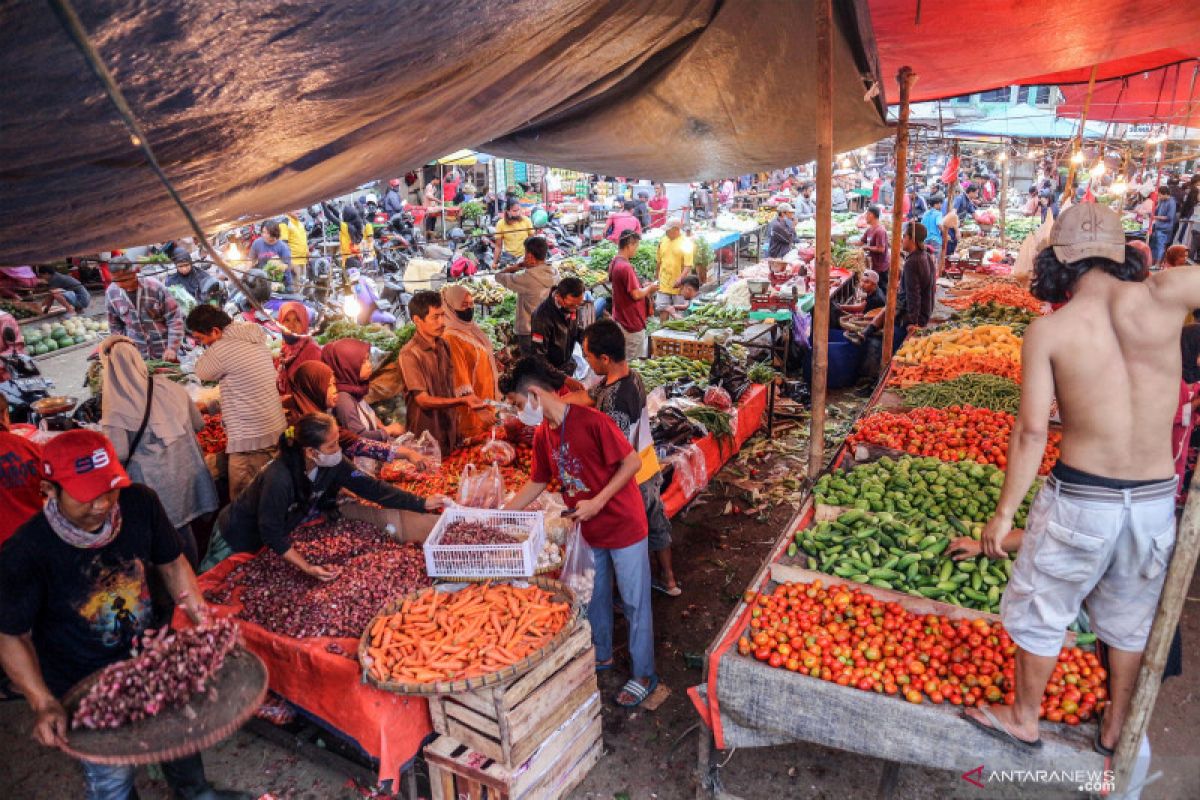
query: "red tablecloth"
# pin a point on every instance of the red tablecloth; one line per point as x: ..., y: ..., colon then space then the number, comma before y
x: 329, y: 686
x: 751, y: 410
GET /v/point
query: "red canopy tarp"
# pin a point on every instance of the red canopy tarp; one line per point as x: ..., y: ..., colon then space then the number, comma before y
x: 959, y: 48
x: 1169, y: 95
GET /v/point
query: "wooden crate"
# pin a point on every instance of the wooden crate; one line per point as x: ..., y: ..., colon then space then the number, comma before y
x: 508, y: 722
x: 661, y: 345
x: 555, y: 768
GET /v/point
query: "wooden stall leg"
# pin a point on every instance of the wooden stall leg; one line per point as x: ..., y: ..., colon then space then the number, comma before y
x: 888, y: 779
x: 704, y: 764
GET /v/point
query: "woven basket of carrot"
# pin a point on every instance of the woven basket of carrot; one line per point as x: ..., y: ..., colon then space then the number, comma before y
x: 456, y: 638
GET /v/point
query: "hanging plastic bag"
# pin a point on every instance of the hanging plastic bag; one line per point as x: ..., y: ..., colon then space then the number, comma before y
x: 427, y: 446
x: 481, y: 489
x: 579, y: 566
x: 498, y: 451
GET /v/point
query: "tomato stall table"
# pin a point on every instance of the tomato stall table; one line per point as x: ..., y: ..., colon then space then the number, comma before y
x: 329, y: 687
x: 750, y: 411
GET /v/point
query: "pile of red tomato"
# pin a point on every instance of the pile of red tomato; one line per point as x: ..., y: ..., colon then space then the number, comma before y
x: 212, y: 436
x: 850, y: 638
x: 956, y: 433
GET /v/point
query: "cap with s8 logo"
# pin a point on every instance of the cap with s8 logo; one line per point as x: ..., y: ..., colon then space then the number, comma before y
x: 84, y: 464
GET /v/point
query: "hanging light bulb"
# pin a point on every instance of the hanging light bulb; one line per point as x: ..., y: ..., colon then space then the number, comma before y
x: 846, y: 162
x: 1097, y: 170
x: 1119, y: 186
x: 1003, y: 156
x: 232, y: 253
x: 1077, y: 158
x: 351, y: 306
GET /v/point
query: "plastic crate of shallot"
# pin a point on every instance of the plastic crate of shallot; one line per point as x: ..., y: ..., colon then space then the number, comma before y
x: 485, y: 543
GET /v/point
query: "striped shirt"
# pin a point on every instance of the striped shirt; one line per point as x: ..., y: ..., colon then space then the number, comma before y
x: 251, y: 410
x: 151, y: 318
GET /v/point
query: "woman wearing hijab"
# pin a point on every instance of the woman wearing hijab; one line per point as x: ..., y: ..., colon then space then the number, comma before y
x: 471, y: 352
x: 350, y: 361
x: 298, y: 347
x: 315, y: 392
x: 166, y: 457
x: 1189, y: 398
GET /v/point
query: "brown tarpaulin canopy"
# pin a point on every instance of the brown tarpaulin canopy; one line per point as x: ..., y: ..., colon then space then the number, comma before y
x: 257, y: 108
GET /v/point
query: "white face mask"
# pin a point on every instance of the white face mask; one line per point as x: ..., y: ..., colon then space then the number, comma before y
x: 530, y: 415
x: 327, y: 459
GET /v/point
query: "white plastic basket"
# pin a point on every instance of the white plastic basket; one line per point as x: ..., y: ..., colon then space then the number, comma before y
x: 516, y: 560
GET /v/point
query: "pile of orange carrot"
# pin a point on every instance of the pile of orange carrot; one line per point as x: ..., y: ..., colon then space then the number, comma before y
x: 944, y: 368
x: 998, y: 293
x: 440, y: 636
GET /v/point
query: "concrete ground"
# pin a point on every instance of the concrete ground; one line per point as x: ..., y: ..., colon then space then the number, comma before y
x: 648, y: 754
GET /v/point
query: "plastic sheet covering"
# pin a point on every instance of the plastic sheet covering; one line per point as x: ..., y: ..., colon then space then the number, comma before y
x: 255, y: 109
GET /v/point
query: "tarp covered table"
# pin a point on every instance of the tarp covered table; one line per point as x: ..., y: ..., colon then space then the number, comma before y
x: 750, y: 411
x: 328, y: 686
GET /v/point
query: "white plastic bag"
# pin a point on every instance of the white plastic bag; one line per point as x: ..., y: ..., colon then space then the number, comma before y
x: 579, y: 566
x: 427, y: 446
x: 481, y: 489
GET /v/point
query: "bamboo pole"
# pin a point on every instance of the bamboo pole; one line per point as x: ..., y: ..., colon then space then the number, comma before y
x: 1069, y: 191
x: 1154, y: 657
x: 823, y: 13
x: 951, y: 190
x: 906, y: 78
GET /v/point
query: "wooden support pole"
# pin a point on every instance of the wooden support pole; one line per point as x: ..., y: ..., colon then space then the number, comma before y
x: 1069, y: 191
x: 823, y: 13
x: 1154, y: 657
x: 906, y: 78
x: 951, y: 190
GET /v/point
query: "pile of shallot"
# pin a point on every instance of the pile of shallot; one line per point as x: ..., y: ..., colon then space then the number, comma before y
x: 474, y: 532
x: 372, y: 570
x: 170, y: 668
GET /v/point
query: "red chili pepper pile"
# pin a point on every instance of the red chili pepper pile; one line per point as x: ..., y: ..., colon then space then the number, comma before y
x: 212, y: 436
x: 446, y: 481
x: 956, y: 433
x: 850, y: 638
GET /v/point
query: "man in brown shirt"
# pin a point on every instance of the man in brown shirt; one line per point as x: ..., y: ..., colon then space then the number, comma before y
x: 431, y: 398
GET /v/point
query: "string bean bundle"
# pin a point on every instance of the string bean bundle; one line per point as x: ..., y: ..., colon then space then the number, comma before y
x: 973, y: 388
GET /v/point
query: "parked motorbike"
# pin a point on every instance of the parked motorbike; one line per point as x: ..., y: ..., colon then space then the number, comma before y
x: 22, y: 385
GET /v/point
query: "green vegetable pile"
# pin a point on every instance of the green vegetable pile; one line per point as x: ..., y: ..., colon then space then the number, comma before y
x: 18, y: 310
x: 485, y: 292
x: 971, y: 389
x: 702, y: 256
x: 1017, y: 229
x: 719, y: 423
x: 937, y: 489
x: 376, y: 335
x: 578, y: 268
x: 645, y: 261
x: 664, y: 369
x: 761, y: 372
x: 472, y: 209
x: 905, y: 553
x: 711, y: 316
x: 993, y: 313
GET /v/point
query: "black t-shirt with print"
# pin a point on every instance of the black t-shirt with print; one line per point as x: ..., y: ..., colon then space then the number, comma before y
x: 84, y: 607
x: 623, y: 400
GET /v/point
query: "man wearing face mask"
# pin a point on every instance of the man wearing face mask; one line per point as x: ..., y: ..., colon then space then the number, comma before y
x: 432, y: 401
x: 556, y: 330
x: 144, y: 311
x: 471, y: 351
x: 307, y: 476
x: 74, y: 596
x: 597, y: 467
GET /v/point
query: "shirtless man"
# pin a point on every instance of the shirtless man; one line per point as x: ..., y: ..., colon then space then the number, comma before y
x: 1102, y: 529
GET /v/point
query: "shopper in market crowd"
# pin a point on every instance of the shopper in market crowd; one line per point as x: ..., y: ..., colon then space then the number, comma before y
x: 432, y: 401
x: 622, y: 396
x: 74, y: 595
x: 20, y: 479
x: 556, y: 330
x: 806, y: 204
x: 350, y: 361
x: 658, y: 206
x: 432, y: 197
x: 303, y: 481
x: 142, y: 309
x: 270, y: 247
x: 623, y: 220
x: 630, y: 300
x: 875, y: 243
x: 781, y: 233
x: 932, y: 221
x: 393, y: 203
x: 353, y: 240
x: 237, y: 357
x: 532, y: 279
x: 152, y: 424
x: 641, y: 210
x: 298, y: 348
x: 511, y: 232
x: 293, y: 233
x: 199, y: 285
x: 65, y: 290
x: 1163, y: 224
x: 675, y: 261
x: 1176, y: 256
x: 597, y: 467
x: 473, y: 355
x: 1102, y: 528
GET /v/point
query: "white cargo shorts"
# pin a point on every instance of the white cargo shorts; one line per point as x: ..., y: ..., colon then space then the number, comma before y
x: 1108, y: 548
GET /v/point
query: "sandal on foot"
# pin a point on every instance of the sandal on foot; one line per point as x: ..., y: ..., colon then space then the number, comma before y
x: 635, y: 689
x: 997, y: 729
x: 1107, y: 752
x: 669, y: 591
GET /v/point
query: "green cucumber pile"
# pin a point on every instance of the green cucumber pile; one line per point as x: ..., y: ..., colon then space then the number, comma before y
x: 664, y: 369
x: 937, y: 489
x: 904, y: 553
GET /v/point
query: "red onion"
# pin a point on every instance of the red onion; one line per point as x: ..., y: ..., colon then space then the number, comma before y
x: 468, y: 532
x: 171, y: 667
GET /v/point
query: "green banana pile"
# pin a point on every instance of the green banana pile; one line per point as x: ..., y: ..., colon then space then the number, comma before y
x: 661, y: 370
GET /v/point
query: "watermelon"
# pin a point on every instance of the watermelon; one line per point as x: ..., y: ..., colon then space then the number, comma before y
x: 80, y: 338
x: 40, y: 348
x: 50, y: 345
x: 33, y: 336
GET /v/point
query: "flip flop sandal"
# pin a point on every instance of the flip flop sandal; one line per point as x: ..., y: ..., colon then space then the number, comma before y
x: 639, y: 692
x: 673, y: 591
x: 997, y: 730
x: 1100, y: 748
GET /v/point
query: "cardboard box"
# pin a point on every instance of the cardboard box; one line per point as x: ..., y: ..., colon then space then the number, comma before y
x: 410, y: 526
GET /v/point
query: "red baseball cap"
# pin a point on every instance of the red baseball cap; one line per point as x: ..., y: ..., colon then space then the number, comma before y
x: 394, y: 183
x: 83, y: 463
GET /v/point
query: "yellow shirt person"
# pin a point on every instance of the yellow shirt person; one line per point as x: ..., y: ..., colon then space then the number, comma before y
x: 675, y: 258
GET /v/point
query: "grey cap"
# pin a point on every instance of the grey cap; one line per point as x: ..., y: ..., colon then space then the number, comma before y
x: 870, y: 275
x: 1088, y: 230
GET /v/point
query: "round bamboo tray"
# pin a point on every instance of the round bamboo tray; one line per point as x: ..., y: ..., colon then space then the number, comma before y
x: 561, y: 594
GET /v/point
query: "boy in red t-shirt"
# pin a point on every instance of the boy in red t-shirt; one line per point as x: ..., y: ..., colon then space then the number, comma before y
x: 596, y: 466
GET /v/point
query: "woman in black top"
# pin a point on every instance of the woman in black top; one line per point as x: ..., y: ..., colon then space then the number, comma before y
x: 306, y: 477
